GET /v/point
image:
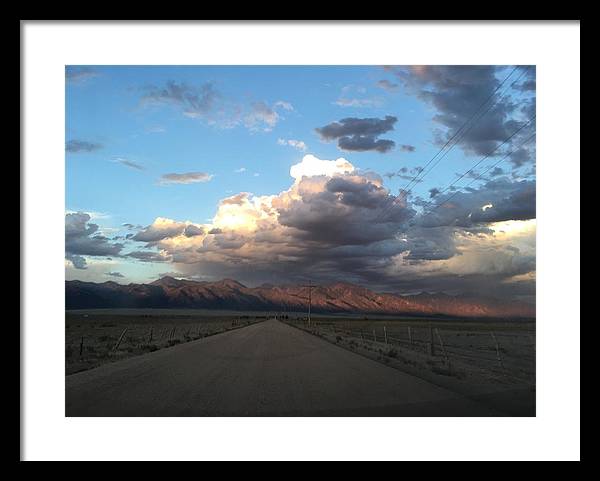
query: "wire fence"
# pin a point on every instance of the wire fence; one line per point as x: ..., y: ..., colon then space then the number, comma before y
x: 511, y: 355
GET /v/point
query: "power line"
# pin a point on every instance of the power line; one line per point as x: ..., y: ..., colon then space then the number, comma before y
x: 487, y: 155
x: 463, y: 134
x: 416, y: 178
x: 310, y: 288
x: 462, y: 127
x: 481, y: 175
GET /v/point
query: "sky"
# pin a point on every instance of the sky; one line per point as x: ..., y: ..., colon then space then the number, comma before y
x: 402, y: 179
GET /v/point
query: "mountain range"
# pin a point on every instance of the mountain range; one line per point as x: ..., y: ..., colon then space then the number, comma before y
x: 340, y: 297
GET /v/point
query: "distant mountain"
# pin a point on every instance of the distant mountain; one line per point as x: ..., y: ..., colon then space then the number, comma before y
x: 229, y: 294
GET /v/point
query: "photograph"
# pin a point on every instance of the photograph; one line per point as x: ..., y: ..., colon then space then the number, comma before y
x: 300, y: 240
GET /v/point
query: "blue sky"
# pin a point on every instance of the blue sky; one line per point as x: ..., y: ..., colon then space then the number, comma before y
x: 172, y: 142
x: 107, y: 110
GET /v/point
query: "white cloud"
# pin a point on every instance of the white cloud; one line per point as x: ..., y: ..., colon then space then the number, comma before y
x: 297, y: 144
x: 284, y: 105
x: 311, y: 166
x: 354, y: 102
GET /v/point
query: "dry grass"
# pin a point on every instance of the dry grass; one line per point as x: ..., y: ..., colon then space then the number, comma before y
x: 91, y: 337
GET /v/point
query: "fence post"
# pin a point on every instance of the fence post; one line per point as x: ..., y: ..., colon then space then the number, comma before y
x: 120, y: 339
x: 410, y: 336
x: 442, y: 346
x: 374, y: 336
x: 498, y: 357
x: 385, y: 334
x: 81, y: 347
x: 150, y: 340
x: 431, y: 348
x: 362, y: 336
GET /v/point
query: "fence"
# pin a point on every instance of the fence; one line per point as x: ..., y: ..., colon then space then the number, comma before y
x: 510, y: 354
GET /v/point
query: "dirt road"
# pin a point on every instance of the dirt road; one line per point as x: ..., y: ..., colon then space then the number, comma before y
x: 267, y: 369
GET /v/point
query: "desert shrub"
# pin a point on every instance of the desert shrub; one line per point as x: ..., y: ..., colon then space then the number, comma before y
x: 392, y: 353
x: 442, y: 370
x: 172, y: 342
x: 148, y: 347
x: 338, y: 338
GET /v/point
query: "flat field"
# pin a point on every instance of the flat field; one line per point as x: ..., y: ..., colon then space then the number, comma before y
x: 492, y: 359
x: 92, y: 336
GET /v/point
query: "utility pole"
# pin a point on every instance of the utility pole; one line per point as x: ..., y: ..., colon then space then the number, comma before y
x: 310, y: 288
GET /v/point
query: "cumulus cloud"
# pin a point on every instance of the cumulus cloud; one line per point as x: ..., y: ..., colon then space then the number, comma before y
x: 185, y: 178
x: 163, y: 228
x: 359, y: 135
x: 338, y: 222
x: 83, y: 239
x: 78, y: 146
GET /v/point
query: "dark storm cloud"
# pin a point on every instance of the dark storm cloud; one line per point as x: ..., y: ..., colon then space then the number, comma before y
x: 457, y: 92
x: 81, y: 239
x: 346, y: 225
x: 349, y: 210
x: 360, y: 135
x: 496, y: 201
x: 77, y: 146
x: 430, y: 244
